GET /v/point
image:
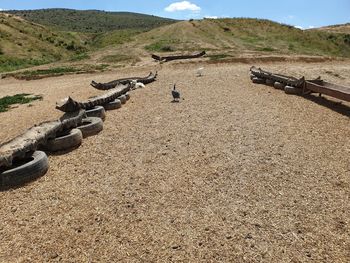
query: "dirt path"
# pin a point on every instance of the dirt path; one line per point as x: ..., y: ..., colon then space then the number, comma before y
x: 234, y: 172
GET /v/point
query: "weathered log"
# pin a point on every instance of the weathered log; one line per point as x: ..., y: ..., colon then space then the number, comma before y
x: 70, y: 105
x: 29, y: 141
x: 155, y: 57
x: 112, y: 84
x: 288, y: 80
x: 170, y: 58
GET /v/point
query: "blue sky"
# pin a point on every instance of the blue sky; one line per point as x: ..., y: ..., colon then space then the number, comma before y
x: 302, y: 13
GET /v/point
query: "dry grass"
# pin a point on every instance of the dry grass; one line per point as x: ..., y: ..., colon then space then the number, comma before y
x: 235, y: 172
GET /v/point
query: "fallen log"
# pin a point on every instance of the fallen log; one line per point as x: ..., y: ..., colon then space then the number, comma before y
x: 28, y: 142
x: 323, y: 87
x: 70, y: 105
x: 288, y: 80
x: 304, y: 86
x: 112, y: 84
x: 170, y: 58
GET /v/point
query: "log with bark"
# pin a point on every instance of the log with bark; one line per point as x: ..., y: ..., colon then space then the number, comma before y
x: 28, y: 142
x: 70, y: 105
x: 112, y: 84
x: 170, y: 58
x: 287, y: 80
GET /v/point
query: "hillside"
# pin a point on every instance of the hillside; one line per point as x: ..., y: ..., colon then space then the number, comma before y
x: 237, y: 35
x: 343, y: 28
x: 24, y: 44
x: 91, y: 21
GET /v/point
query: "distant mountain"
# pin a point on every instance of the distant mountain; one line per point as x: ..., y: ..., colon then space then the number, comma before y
x: 91, y: 21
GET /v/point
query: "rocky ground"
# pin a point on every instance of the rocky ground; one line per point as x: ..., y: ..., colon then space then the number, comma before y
x: 234, y: 172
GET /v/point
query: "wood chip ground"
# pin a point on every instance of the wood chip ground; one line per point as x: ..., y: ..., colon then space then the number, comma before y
x: 235, y: 172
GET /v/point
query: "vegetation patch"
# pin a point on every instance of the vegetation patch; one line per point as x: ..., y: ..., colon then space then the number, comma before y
x: 117, y: 37
x: 117, y: 58
x: 163, y: 45
x: 91, y: 21
x: 57, y: 71
x: 79, y: 57
x: 21, y: 98
x: 266, y: 49
x: 11, y: 63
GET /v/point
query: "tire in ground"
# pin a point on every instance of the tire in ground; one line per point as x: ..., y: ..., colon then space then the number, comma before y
x: 279, y: 85
x: 90, y: 126
x: 258, y: 80
x: 113, y: 105
x: 292, y: 90
x: 66, y: 141
x: 122, y: 98
x: 127, y: 96
x: 24, y: 171
x: 270, y: 82
x: 97, y: 111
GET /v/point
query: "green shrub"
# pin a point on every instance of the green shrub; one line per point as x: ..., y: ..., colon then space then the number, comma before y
x: 267, y: 49
x: 10, y: 63
x: 22, y: 98
x: 161, y: 46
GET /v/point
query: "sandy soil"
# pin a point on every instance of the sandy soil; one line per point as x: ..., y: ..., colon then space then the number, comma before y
x: 235, y: 172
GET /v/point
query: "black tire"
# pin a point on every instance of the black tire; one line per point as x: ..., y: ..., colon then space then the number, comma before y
x: 113, y: 105
x: 258, y: 80
x: 252, y: 76
x: 91, y: 126
x: 279, y: 85
x: 122, y: 98
x: 292, y: 90
x: 127, y: 96
x: 72, y: 139
x: 270, y: 82
x: 97, y: 111
x: 24, y: 171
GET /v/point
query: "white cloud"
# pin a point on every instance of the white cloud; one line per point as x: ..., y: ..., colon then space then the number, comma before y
x: 211, y: 17
x: 291, y: 16
x: 182, y: 6
x: 310, y: 27
x: 299, y: 27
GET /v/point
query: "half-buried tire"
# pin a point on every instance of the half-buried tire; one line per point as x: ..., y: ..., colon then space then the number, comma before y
x: 292, y: 90
x: 127, y: 96
x: 279, y: 85
x: 24, y: 171
x: 113, y: 105
x: 91, y: 126
x: 270, y: 82
x: 97, y: 111
x: 66, y: 141
x: 122, y: 98
x: 258, y: 80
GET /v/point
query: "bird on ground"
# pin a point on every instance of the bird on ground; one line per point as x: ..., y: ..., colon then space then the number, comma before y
x: 200, y: 72
x: 176, y: 94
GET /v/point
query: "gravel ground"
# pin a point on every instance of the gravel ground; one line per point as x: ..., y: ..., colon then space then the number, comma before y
x: 235, y: 172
